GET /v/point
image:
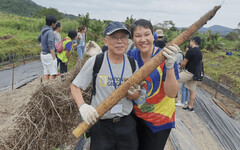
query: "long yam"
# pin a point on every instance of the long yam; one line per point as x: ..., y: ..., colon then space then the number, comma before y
x: 144, y: 71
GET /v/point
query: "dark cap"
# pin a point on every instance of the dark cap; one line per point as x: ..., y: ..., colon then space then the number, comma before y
x: 72, y: 34
x: 197, y: 40
x: 115, y: 26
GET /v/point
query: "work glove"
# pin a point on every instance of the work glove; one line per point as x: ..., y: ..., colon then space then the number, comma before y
x: 88, y: 113
x: 170, y: 52
x: 134, y: 89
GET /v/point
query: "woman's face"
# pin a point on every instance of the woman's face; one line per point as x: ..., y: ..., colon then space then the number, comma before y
x: 60, y: 28
x: 143, y: 39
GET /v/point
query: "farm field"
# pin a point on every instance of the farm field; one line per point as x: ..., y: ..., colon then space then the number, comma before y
x: 12, y: 102
x: 43, y: 115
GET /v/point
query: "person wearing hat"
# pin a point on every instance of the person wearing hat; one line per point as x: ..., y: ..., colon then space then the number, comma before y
x: 116, y: 129
x: 190, y: 61
x: 159, y: 42
x: 64, y: 57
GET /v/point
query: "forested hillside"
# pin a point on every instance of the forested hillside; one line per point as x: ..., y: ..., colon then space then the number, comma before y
x: 28, y: 8
x: 19, y: 7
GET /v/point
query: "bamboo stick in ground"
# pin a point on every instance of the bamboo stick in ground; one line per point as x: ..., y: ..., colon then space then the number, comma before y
x: 223, y: 108
x: 144, y: 71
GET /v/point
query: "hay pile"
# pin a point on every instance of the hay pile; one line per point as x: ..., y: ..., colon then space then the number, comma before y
x: 47, y: 120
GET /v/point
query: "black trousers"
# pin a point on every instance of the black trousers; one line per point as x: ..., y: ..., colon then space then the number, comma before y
x: 109, y: 135
x: 149, y: 140
x: 63, y: 66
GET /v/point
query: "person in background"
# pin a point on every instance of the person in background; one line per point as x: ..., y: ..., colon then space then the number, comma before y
x: 64, y: 56
x: 48, y: 55
x: 184, y: 91
x: 116, y: 129
x: 104, y: 48
x: 81, y: 41
x: 57, y: 29
x: 192, y: 58
x: 184, y: 96
x: 154, y: 110
x: 160, y: 42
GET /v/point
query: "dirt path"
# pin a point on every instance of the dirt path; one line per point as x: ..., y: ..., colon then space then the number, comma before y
x: 12, y: 101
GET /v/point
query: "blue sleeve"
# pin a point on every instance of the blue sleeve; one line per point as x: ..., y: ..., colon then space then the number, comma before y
x: 69, y: 46
x: 51, y: 40
x: 129, y: 52
x: 175, y: 70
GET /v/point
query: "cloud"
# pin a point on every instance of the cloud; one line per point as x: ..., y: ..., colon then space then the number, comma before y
x: 183, y: 13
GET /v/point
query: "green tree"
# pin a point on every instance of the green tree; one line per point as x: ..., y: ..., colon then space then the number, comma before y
x: 84, y: 19
x: 48, y: 11
x: 129, y: 21
x: 168, y: 24
x: 213, y: 41
x: 96, y: 29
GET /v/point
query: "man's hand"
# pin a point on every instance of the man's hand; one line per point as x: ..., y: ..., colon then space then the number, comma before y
x: 134, y: 89
x: 134, y: 92
x: 170, y: 53
x: 88, y: 113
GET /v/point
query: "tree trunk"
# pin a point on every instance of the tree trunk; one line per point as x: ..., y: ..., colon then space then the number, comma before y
x: 144, y: 71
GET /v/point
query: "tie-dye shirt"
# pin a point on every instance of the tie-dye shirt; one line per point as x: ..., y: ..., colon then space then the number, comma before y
x: 153, y: 106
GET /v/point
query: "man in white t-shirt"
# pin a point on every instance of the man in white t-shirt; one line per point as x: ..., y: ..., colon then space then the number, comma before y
x: 116, y: 129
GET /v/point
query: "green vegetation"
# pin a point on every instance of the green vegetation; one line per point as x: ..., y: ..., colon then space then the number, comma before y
x: 19, y: 7
x: 28, y: 8
x: 25, y: 30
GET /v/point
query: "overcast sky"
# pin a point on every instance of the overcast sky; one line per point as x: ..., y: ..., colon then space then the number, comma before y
x: 183, y: 13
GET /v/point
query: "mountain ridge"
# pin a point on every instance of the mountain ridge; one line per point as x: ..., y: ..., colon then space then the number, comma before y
x: 222, y: 30
x: 28, y: 8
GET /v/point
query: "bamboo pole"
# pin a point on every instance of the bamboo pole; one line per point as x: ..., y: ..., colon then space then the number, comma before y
x: 13, y: 66
x: 223, y: 108
x: 144, y: 71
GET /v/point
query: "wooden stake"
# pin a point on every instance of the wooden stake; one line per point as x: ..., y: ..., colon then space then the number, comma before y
x: 13, y: 73
x: 223, y: 108
x: 144, y: 71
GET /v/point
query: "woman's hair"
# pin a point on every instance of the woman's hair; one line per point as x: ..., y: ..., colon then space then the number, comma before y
x: 141, y: 23
x: 58, y: 25
x: 81, y: 28
x: 72, y: 34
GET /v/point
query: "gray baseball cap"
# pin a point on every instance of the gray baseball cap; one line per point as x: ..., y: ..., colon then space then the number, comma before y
x: 115, y: 26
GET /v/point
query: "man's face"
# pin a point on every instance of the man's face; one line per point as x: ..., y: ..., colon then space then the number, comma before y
x: 117, y: 42
x: 191, y: 43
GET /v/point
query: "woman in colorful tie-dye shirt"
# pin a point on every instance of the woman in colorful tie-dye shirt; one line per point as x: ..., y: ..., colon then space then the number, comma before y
x: 155, y: 108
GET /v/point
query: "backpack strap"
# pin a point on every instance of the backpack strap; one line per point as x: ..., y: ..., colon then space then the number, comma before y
x: 132, y: 46
x: 132, y: 63
x: 96, y: 68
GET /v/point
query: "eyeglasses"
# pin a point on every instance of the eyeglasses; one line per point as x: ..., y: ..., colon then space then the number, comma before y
x: 115, y: 39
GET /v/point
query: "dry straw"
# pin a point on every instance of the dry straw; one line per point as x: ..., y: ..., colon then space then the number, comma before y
x: 47, y: 120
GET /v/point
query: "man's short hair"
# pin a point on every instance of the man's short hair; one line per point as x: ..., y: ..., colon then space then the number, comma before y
x: 142, y: 23
x: 50, y: 20
x: 197, y: 40
x: 72, y: 34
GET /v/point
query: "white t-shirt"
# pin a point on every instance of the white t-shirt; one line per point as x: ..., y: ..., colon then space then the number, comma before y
x: 104, y: 84
x: 57, y: 36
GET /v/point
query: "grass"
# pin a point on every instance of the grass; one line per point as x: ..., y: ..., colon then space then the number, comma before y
x: 218, y: 64
x: 26, y: 30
